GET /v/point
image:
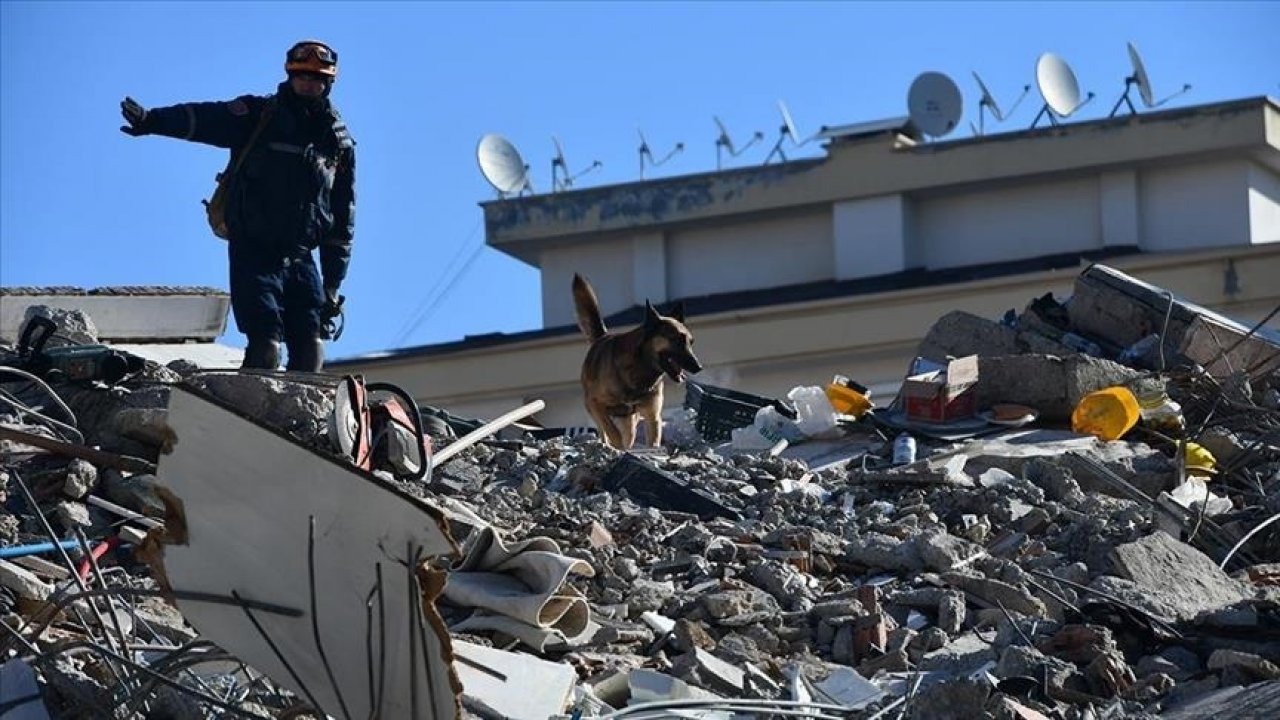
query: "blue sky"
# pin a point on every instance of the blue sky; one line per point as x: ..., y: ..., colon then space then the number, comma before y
x: 81, y: 204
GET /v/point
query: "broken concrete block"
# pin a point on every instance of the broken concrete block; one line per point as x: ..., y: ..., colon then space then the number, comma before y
x: 877, y: 551
x: 1182, y: 577
x: 707, y: 671
x: 82, y: 478
x: 1013, y: 598
x: 960, y: 656
x: 23, y: 582
x: 959, y: 333
x: 71, y: 515
x: 942, y: 552
x: 1023, y: 661
x: 951, y: 613
x: 1109, y: 675
x: 691, y: 634
x: 1255, y: 666
x: 951, y: 700
x: 1051, y: 384
x: 1079, y: 644
x: 146, y: 425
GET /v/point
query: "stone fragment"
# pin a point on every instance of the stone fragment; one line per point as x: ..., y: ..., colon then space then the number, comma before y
x: 1180, y: 576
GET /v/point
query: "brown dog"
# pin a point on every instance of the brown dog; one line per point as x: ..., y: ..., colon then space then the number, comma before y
x: 622, y: 373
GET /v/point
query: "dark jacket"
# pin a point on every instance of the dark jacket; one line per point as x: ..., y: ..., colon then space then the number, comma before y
x: 296, y: 188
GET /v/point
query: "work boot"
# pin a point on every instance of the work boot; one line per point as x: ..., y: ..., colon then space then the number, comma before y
x: 262, y: 353
x: 306, y: 356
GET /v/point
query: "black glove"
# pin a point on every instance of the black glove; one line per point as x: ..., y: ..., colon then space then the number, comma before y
x: 135, y: 115
x: 332, y: 319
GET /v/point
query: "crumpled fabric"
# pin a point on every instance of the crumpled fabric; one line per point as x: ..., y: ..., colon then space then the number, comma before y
x: 520, y: 588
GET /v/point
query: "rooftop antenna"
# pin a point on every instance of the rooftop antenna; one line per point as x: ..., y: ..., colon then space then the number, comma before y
x: 1143, y: 81
x: 988, y: 102
x: 787, y: 130
x: 724, y: 141
x: 502, y: 166
x: 934, y: 104
x: 646, y: 153
x: 558, y: 165
x: 1059, y: 89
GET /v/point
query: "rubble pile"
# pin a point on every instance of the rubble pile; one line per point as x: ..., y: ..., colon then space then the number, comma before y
x: 1015, y: 570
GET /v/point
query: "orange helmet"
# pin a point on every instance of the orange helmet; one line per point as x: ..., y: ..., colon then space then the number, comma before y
x: 311, y: 56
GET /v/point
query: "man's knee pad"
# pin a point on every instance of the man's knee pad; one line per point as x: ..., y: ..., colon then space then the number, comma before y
x: 262, y: 353
x: 306, y: 355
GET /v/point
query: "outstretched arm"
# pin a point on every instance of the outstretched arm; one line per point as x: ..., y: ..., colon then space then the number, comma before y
x: 223, y: 124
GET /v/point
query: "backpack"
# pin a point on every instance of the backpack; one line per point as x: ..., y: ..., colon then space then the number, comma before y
x: 216, y: 206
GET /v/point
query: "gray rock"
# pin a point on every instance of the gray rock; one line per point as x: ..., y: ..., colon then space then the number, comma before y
x: 1182, y: 577
x: 1023, y: 661
x: 146, y: 425
x: 1014, y: 599
x: 878, y: 551
x: 82, y: 478
x: 951, y: 613
x: 74, y: 327
x: 72, y: 515
x: 941, y: 552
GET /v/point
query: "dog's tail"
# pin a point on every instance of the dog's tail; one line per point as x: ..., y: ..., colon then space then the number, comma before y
x: 587, y: 308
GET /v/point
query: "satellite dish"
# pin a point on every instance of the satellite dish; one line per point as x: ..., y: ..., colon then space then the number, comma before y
x: 1143, y: 81
x: 724, y: 141
x: 1058, y: 87
x: 988, y: 102
x: 502, y: 165
x: 558, y: 165
x: 787, y: 130
x: 645, y: 152
x: 934, y: 104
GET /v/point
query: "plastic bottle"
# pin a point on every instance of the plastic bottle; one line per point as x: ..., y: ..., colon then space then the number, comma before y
x: 1080, y: 344
x: 1158, y: 411
x: 904, y: 450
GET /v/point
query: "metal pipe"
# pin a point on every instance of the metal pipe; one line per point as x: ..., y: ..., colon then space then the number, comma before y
x: 15, y: 551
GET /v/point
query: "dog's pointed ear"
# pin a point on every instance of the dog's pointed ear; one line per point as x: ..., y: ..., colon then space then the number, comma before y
x: 677, y: 311
x: 651, y: 317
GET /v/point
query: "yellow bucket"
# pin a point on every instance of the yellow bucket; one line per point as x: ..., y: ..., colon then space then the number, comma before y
x: 1106, y: 414
x: 847, y: 401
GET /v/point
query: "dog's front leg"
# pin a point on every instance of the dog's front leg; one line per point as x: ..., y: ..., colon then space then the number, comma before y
x: 628, y: 431
x: 605, y: 425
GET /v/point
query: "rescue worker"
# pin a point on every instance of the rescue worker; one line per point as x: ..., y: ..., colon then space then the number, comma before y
x: 294, y: 192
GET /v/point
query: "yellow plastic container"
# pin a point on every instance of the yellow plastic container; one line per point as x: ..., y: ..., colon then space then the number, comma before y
x: 1106, y: 414
x: 846, y: 400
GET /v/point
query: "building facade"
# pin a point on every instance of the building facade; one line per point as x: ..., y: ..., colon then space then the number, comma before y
x: 795, y: 271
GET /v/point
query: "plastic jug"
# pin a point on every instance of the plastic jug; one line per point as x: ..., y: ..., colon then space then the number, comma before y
x: 1106, y: 414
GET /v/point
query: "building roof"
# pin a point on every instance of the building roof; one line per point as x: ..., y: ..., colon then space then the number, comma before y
x: 873, y: 159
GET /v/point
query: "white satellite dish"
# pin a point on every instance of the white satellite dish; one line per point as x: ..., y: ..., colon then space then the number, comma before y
x: 646, y: 153
x: 988, y: 102
x: 502, y: 165
x: 725, y: 141
x: 934, y: 104
x: 785, y: 131
x: 1058, y: 87
x: 1143, y: 81
x: 559, y: 165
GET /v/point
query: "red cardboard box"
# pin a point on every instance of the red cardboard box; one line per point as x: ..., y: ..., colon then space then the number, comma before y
x: 943, y: 395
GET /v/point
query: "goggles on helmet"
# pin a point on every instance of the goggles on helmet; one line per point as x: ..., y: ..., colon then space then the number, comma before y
x: 312, y: 56
x: 305, y: 51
